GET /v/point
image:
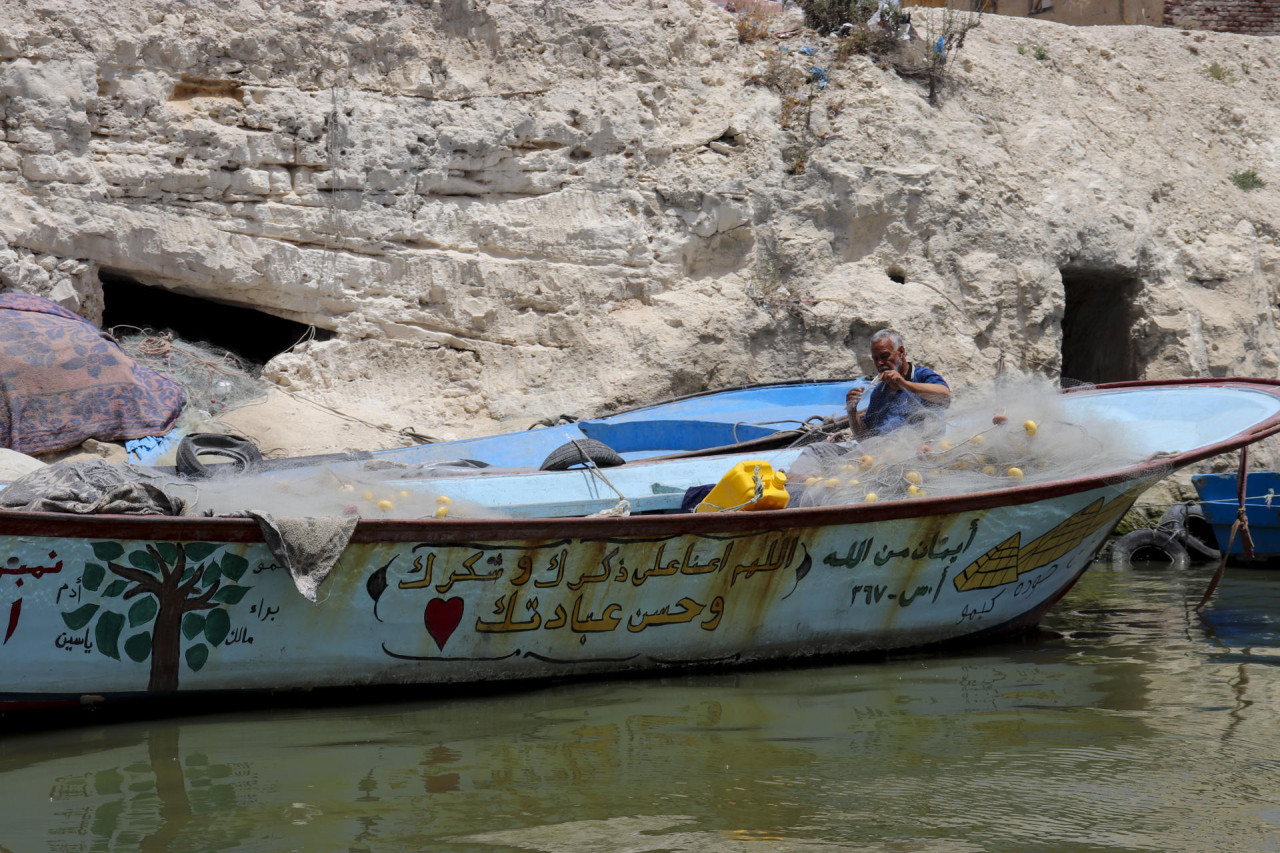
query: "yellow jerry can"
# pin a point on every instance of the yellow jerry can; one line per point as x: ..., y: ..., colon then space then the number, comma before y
x: 748, y: 485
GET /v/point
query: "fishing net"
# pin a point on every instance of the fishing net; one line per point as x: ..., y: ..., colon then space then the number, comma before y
x: 348, y: 488
x: 214, y: 379
x: 1020, y: 433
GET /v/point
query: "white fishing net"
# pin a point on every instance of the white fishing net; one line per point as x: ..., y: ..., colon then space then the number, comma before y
x: 327, y: 490
x: 1021, y: 432
x: 213, y: 379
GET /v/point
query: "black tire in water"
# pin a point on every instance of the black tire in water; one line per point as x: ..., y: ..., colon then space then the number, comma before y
x: 578, y: 452
x: 244, y: 455
x: 1153, y: 546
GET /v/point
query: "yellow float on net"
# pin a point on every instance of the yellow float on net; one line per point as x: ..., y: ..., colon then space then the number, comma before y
x: 443, y: 499
x: 367, y: 495
x: 871, y: 496
x: 915, y: 491
x: 442, y: 510
x: 913, y: 477
x: 977, y: 440
x: 1015, y: 473
x: 989, y: 470
x: 386, y: 505
x: 1030, y: 427
x: 945, y: 445
x: 865, y: 462
x: 831, y: 482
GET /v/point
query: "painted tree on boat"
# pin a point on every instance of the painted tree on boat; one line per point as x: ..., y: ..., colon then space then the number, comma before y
x: 178, y: 592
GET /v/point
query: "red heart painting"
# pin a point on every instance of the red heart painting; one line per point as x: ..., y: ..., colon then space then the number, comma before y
x: 442, y: 618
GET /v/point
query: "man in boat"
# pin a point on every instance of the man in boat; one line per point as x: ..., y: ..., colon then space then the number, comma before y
x: 902, y: 393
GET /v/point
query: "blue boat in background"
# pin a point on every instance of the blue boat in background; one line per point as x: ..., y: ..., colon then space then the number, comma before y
x: 1219, y: 502
x: 738, y: 418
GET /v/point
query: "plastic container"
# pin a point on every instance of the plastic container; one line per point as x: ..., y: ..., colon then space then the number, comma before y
x: 737, y: 489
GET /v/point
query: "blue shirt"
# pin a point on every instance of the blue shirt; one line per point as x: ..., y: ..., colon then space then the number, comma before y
x: 890, y: 409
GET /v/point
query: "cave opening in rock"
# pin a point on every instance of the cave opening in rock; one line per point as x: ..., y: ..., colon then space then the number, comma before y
x: 1097, y: 326
x: 252, y: 335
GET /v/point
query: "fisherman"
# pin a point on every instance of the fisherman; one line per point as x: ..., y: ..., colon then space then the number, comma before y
x: 901, y: 393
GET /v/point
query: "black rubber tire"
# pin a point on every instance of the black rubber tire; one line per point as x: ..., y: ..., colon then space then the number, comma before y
x: 567, y: 455
x: 1186, y: 523
x: 1150, y: 546
x: 242, y: 452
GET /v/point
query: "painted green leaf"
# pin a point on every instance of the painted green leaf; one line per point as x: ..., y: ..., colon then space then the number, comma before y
x: 168, y: 552
x: 115, y: 588
x: 107, y: 551
x: 188, y: 572
x: 80, y: 617
x: 107, y: 633
x: 211, y: 574
x: 230, y: 594
x: 233, y: 566
x: 196, y: 656
x: 143, y: 611
x: 93, y: 575
x: 138, y: 647
x: 216, y: 626
x: 192, y: 624
x: 197, y: 551
x: 142, y: 560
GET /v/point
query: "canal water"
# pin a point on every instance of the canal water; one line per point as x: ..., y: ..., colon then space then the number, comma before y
x: 1126, y: 723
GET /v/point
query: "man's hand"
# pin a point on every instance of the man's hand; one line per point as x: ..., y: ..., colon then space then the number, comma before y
x: 851, y: 399
x: 894, y: 380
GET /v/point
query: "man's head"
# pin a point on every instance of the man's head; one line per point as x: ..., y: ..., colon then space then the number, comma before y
x: 887, y: 351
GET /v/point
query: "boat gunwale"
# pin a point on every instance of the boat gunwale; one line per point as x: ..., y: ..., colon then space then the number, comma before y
x: 373, y: 531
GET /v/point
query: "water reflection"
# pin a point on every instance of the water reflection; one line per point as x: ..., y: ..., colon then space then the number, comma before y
x: 1128, y: 723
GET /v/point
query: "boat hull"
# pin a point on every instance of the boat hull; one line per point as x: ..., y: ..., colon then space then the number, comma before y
x: 1220, y: 505
x: 489, y: 608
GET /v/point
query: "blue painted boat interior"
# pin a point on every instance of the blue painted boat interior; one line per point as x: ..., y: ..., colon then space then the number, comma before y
x: 1218, y: 502
x: 1174, y: 420
x: 709, y: 420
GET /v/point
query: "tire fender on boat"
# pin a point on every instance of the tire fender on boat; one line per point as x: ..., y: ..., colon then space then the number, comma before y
x: 1187, y: 524
x: 243, y: 453
x: 580, y: 451
x: 1149, y: 545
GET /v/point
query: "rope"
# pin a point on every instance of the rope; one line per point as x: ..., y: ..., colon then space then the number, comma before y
x: 1241, y: 525
x: 595, y: 469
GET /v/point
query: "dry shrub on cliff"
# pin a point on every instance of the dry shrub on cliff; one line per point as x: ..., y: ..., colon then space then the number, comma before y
x: 880, y: 28
x: 754, y: 25
x: 928, y: 58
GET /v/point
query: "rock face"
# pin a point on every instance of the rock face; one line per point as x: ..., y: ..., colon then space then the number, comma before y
x: 505, y: 211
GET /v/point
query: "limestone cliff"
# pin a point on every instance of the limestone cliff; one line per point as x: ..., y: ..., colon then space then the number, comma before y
x: 507, y: 210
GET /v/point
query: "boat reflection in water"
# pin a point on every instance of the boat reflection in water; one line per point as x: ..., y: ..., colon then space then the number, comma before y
x: 1104, y: 730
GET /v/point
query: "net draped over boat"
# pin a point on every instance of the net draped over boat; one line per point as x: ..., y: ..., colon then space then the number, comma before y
x: 1017, y: 434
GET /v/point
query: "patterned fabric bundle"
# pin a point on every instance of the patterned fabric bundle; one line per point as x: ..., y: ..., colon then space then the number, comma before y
x: 62, y: 381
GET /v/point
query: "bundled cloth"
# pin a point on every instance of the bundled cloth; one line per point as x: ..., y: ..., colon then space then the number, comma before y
x: 62, y: 380
x: 94, y: 487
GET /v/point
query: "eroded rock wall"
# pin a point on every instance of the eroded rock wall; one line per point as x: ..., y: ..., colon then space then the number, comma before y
x: 511, y: 210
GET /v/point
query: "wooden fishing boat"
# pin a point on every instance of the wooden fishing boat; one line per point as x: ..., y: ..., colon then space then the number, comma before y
x: 107, y: 607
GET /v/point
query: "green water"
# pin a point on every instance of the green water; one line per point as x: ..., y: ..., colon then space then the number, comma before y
x: 1127, y: 723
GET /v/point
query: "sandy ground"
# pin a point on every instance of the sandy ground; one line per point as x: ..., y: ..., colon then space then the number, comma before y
x: 289, y: 425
